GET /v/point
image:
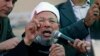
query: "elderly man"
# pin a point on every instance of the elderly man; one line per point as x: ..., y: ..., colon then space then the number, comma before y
x: 42, y: 36
x: 7, y: 39
x: 38, y: 40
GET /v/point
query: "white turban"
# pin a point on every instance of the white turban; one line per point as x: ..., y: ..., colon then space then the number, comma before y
x: 45, y: 6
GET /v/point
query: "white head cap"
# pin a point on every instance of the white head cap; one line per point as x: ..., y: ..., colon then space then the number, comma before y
x: 45, y: 6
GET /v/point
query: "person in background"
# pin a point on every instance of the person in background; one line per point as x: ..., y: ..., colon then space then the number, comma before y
x: 93, y: 21
x: 7, y: 38
x: 38, y: 39
x: 72, y: 14
x: 72, y: 23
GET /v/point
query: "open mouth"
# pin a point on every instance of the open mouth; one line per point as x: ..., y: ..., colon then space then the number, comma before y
x: 47, y: 33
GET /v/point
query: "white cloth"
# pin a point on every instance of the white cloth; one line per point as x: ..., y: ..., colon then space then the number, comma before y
x: 45, y: 6
x: 81, y: 11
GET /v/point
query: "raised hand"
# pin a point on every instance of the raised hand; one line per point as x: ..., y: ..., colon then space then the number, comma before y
x: 93, y: 14
x: 31, y: 31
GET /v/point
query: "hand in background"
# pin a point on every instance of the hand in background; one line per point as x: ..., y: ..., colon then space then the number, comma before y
x: 81, y: 45
x: 9, y: 44
x: 92, y: 15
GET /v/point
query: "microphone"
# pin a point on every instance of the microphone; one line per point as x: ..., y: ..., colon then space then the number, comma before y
x: 57, y: 34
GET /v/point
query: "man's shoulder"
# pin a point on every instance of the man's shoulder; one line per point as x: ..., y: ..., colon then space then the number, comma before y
x: 63, y: 5
x: 60, y: 5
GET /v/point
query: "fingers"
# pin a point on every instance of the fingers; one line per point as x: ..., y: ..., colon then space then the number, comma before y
x: 81, y: 45
x: 93, y: 14
x: 31, y: 31
x: 57, y: 50
x: 9, y: 44
x: 96, y: 12
x: 95, y: 9
x: 33, y: 25
x: 34, y: 20
x: 78, y: 44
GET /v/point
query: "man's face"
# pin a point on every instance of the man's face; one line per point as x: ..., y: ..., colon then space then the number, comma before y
x: 6, y: 7
x: 48, y: 22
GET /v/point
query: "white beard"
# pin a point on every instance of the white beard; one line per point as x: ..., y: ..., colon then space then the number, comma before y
x: 39, y: 39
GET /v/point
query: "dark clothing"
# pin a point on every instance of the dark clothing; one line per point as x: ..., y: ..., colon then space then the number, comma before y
x: 95, y: 30
x: 71, y: 27
x: 5, y: 29
x: 39, y: 50
x: 35, y: 49
x: 20, y: 50
x: 68, y: 22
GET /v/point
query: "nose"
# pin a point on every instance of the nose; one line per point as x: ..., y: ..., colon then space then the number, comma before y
x: 10, y: 4
x: 47, y: 24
